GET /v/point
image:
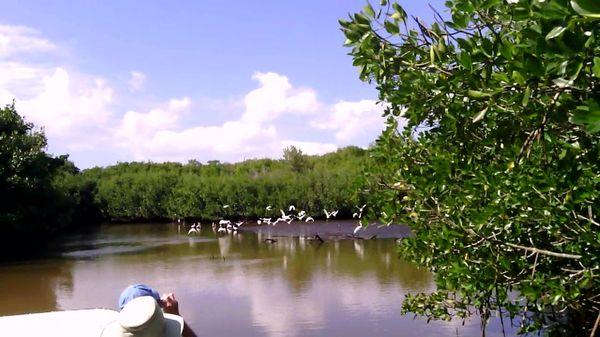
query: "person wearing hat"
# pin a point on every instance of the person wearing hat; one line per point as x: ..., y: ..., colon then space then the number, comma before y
x: 143, y: 313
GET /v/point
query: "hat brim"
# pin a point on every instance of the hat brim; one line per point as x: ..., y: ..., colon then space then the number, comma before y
x: 173, y: 325
x: 173, y: 328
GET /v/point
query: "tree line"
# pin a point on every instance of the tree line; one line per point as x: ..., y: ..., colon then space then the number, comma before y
x: 196, y: 191
x: 44, y: 195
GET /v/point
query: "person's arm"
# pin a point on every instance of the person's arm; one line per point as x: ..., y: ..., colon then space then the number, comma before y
x: 171, y: 306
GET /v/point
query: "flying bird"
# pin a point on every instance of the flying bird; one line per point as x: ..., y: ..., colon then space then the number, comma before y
x: 330, y: 214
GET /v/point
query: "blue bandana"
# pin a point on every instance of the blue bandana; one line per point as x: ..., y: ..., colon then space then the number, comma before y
x: 136, y: 290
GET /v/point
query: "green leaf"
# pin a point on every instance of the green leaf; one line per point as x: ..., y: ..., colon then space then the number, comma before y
x: 400, y: 14
x: 526, y: 96
x: 369, y: 10
x: 432, y: 54
x: 465, y: 60
x: 478, y: 94
x: 391, y: 27
x: 596, y: 67
x: 507, y: 50
x: 589, y: 8
x: 556, y: 32
x: 517, y: 77
x: 588, y: 116
x: 480, y: 115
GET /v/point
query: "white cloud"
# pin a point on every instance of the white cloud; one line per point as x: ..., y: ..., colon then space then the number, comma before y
x: 67, y: 105
x: 81, y: 112
x: 157, y: 135
x: 73, y: 108
x: 276, y: 96
x: 64, y: 103
x: 19, y: 39
x: 137, y: 81
x: 135, y: 124
x: 310, y: 148
x: 350, y: 120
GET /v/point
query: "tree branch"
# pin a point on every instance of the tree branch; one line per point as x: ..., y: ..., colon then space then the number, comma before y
x: 543, y: 252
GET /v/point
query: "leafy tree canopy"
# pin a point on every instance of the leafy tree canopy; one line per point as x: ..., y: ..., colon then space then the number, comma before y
x: 498, y: 171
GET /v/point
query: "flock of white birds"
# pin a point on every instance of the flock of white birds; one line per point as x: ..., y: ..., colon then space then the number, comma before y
x: 227, y: 226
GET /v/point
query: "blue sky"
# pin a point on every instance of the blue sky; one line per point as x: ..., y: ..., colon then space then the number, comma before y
x: 127, y: 80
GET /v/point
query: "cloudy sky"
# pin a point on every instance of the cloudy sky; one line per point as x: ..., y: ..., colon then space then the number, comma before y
x: 117, y: 81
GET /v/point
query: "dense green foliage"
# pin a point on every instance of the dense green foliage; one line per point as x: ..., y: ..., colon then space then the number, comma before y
x: 146, y: 191
x: 40, y: 194
x: 498, y: 171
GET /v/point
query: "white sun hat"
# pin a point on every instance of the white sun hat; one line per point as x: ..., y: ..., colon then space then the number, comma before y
x: 143, y: 317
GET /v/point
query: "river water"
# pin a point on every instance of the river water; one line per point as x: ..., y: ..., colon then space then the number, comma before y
x: 238, y: 284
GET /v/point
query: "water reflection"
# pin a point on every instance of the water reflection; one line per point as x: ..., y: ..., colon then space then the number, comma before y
x: 235, y: 285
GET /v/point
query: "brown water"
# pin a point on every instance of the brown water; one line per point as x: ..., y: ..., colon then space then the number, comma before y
x: 237, y: 285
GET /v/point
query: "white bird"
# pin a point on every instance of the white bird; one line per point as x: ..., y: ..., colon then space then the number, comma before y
x: 192, y: 231
x: 224, y: 222
x: 329, y: 214
x: 301, y: 215
x: 358, y: 228
x: 309, y: 219
x: 225, y: 206
x: 360, y: 211
x: 334, y: 213
x: 222, y: 230
x: 268, y: 208
x: 292, y: 208
x: 238, y: 224
x: 285, y: 217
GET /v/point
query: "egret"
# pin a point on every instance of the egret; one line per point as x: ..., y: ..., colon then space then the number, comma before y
x: 192, y: 231
x: 222, y: 230
x: 268, y: 208
x: 285, y: 217
x: 224, y: 222
x: 301, y: 215
x: 225, y: 206
x: 309, y: 219
x: 358, y: 228
x: 292, y: 208
x: 329, y: 214
x: 238, y: 224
